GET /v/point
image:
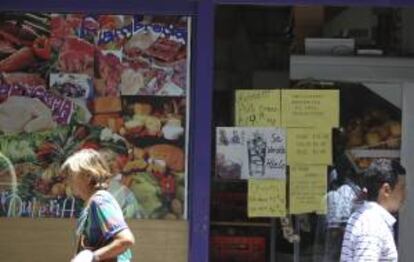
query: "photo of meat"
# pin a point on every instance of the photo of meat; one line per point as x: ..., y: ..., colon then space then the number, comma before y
x: 156, y: 62
x: 75, y: 55
x: 21, y: 78
x: 24, y: 45
x: 137, y: 44
x: 110, y: 82
x: 164, y: 49
x: 20, y: 59
x: 108, y: 76
x: 64, y: 25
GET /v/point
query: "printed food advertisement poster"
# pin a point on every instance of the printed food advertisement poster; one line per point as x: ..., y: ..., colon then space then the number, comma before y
x: 114, y: 83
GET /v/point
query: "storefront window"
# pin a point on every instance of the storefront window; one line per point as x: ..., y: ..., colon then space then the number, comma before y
x: 303, y: 75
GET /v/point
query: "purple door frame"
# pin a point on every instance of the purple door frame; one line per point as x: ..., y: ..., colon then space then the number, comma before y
x: 200, y: 130
x: 202, y: 85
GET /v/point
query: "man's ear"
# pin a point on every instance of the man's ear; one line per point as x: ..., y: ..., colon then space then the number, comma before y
x: 386, y: 189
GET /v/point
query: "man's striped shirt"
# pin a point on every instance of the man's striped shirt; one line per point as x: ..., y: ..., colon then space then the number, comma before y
x: 369, y: 235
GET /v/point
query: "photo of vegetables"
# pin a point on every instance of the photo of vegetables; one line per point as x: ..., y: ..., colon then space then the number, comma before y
x: 114, y: 83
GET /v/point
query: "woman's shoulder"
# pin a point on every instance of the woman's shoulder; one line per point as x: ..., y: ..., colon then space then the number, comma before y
x: 102, y: 196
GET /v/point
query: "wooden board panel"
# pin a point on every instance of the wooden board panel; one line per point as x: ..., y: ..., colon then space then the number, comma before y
x: 25, y: 239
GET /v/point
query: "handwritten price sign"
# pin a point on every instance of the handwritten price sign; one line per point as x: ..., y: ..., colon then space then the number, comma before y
x: 309, y: 146
x: 267, y: 198
x: 307, y: 189
x: 259, y: 108
x: 310, y: 108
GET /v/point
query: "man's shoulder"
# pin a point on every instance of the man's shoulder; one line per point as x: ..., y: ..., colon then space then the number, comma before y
x: 365, y: 218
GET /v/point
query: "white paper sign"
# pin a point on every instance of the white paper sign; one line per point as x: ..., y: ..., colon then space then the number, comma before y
x: 250, y: 152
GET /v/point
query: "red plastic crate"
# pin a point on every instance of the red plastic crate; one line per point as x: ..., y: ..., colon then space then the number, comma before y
x: 238, y: 248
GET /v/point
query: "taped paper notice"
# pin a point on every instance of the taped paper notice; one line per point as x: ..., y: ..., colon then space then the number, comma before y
x: 267, y: 198
x: 307, y: 189
x: 309, y: 146
x: 259, y: 108
x: 310, y: 108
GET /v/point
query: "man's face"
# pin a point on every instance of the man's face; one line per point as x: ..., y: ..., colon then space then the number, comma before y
x: 397, y: 195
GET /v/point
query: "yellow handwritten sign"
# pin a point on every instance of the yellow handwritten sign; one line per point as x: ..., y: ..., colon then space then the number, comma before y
x: 309, y: 146
x: 267, y: 198
x: 258, y: 108
x: 307, y: 189
x: 310, y: 108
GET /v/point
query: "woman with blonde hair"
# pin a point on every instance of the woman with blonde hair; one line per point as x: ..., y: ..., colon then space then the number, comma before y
x: 102, y: 231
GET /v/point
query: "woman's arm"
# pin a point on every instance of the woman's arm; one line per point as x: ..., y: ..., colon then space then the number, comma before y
x: 121, y: 242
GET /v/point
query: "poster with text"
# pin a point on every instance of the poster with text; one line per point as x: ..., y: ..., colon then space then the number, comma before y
x: 245, y: 153
x: 115, y: 83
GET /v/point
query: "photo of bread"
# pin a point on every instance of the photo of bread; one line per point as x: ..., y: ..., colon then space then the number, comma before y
x: 172, y: 155
x: 155, y: 118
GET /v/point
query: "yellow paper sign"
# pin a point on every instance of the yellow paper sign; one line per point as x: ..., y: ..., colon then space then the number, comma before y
x: 258, y: 108
x: 309, y: 146
x: 307, y: 189
x: 267, y: 198
x: 310, y: 108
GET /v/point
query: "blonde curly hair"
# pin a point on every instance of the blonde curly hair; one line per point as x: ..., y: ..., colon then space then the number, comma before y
x: 88, y: 163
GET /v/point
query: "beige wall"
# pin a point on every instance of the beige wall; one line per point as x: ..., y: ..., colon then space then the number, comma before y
x: 25, y: 239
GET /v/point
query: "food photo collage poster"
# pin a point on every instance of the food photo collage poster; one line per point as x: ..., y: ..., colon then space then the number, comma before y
x: 114, y: 83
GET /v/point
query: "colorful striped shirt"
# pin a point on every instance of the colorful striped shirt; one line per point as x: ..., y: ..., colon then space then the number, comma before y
x: 101, y: 221
x: 369, y: 235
